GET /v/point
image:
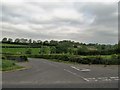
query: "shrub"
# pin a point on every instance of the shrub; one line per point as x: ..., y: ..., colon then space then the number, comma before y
x: 16, y: 57
x: 3, y: 57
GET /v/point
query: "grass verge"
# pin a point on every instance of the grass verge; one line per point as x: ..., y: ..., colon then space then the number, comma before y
x: 8, y: 65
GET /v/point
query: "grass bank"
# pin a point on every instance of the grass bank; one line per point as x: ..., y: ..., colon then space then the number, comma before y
x: 8, y: 65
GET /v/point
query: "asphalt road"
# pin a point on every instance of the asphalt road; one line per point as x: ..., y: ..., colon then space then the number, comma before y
x: 47, y: 74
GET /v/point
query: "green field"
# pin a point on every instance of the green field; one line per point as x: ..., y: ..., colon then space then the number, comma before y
x: 20, y: 50
x: 11, y: 45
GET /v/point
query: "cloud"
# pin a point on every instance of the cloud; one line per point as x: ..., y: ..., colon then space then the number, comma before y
x: 79, y: 21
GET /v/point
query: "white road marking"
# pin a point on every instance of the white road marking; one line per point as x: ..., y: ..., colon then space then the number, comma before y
x: 75, y: 68
x: 91, y: 78
x: 96, y: 80
x: 77, y: 75
x: 86, y: 79
x: 71, y: 72
x: 114, y: 77
x: 103, y: 78
x: 83, y: 70
x: 106, y: 79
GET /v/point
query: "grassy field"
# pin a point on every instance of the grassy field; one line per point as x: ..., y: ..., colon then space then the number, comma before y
x: 20, y: 50
x: 103, y: 56
x: 11, y: 45
x: 9, y: 65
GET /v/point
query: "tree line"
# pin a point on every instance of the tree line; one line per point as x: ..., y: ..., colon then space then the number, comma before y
x: 63, y: 47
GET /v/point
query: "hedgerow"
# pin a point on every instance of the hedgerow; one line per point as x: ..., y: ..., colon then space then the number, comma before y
x: 113, y: 60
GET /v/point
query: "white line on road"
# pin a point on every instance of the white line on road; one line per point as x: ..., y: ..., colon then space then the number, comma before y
x: 114, y: 77
x: 83, y: 70
x: 103, y: 79
x: 75, y: 68
x: 77, y: 75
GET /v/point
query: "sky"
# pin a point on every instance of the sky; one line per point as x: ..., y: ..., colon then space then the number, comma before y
x: 87, y: 22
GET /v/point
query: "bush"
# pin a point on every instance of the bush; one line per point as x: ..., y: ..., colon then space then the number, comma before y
x: 19, y: 58
x: 3, y: 57
x: 24, y: 58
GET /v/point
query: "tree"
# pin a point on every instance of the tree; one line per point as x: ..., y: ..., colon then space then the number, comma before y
x: 45, y: 50
x: 23, y: 40
x: 17, y: 40
x: 53, y: 50
x: 34, y: 42
x: 53, y: 43
x: 41, y: 50
x: 30, y: 41
x: 39, y: 41
x: 72, y: 51
x: 46, y: 43
x: 82, y: 50
x: 4, y: 40
x: 63, y: 46
x: 10, y: 40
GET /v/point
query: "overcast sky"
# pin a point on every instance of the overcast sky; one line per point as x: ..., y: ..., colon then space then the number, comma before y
x: 89, y: 22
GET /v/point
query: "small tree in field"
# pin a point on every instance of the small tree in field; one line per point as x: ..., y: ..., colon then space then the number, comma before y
x: 17, y: 40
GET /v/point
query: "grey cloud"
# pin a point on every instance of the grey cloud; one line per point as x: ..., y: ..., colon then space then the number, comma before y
x: 104, y: 13
x: 37, y: 21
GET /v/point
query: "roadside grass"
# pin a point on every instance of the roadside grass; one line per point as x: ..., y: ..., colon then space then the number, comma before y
x: 8, y: 65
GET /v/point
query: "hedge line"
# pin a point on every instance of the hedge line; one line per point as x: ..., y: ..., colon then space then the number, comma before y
x: 19, y: 58
x: 113, y: 60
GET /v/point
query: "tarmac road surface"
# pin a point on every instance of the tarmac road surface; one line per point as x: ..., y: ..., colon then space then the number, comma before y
x: 47, y: 74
